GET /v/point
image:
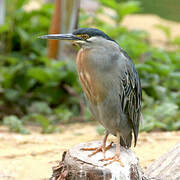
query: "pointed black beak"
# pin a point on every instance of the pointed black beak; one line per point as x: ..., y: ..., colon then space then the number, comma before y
x: 61, y: 37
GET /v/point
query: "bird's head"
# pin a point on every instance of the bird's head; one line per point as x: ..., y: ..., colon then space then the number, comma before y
x: 81, y: 36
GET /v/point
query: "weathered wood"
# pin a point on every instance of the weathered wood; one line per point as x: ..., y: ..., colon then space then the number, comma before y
x: 2, y: 11
x: 167, y: 167
x: 54, y: 29
x: 69, y: 21
x: 64, y: 20
x: 77, y: 165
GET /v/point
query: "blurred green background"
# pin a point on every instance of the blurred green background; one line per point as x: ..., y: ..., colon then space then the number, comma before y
x: 164, y: 8
x: 41, y: 91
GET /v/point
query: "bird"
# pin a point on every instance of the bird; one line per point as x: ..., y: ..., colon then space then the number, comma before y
x: 111, y: 85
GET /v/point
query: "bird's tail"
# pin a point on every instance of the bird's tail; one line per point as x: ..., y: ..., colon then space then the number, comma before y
x: 126, y: 141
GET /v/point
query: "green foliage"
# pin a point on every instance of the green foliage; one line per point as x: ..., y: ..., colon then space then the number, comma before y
x: 33, y: 88
x: 163, y: 8
x: 21, y: 29
x: 165, y: 29
x: 163, y: 116
x: 15, y: 124
x: 122, y: 8
x: 37, y: 88
x: 176, y: 40
x: 100, y: 130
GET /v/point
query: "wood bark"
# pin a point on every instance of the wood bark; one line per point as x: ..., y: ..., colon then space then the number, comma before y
x: 76, y: 165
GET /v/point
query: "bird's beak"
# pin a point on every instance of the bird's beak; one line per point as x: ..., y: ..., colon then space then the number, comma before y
x: 61, y: 37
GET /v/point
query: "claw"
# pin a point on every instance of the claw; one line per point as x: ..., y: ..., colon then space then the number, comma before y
x: 115, y: 158
x: 98, y: 149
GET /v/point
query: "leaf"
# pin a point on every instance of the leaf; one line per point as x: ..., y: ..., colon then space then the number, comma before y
x: 43, y: 74
x: 165, y: 29
x: 63, y: 113
x: 176, y: 40
x: 47, y: 127
x: 129, y: 7
x: 39, y: 107
x: 20, y: 3
x: 11, y: 94
x: 4, y: 28
x: 23, y: 34
x: 100, y: 130
x: 15, y: 124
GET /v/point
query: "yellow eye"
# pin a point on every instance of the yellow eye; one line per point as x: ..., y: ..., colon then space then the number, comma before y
x: 84, y: 36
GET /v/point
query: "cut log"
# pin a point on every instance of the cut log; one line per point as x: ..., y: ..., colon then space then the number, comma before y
x: 167, y: 167
x: 77, y: 165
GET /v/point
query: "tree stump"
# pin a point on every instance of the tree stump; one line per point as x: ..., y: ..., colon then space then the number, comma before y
x: 167, y: 167
x: 77, y: 165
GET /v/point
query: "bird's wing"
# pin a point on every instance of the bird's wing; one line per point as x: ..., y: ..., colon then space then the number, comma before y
x: 131, y: 93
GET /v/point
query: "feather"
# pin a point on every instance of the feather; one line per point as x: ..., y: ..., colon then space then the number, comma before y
x: 131, y: 94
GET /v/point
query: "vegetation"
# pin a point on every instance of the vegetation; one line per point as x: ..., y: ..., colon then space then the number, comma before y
x: 33, y: 87
x: 44, y: 91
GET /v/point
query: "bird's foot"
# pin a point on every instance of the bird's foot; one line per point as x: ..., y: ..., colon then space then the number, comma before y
x: 115, y: 158
x: 98, y: 149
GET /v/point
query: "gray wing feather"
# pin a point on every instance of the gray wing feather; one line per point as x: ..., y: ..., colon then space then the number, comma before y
x: 131, y: 94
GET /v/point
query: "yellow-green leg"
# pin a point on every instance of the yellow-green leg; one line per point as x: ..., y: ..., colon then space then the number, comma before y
x: 116, y: 157
x: 102, y: 148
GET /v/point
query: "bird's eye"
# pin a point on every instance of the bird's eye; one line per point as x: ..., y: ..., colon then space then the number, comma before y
x: 85, y: 36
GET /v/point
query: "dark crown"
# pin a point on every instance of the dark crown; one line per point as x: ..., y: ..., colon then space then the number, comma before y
x: 91, y: 32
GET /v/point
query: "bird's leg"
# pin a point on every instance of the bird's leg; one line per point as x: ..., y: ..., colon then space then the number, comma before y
x: 102, y: 148
x: 116, y: 157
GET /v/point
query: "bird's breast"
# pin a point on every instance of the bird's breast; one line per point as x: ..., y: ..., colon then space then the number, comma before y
x: 90, y: 78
